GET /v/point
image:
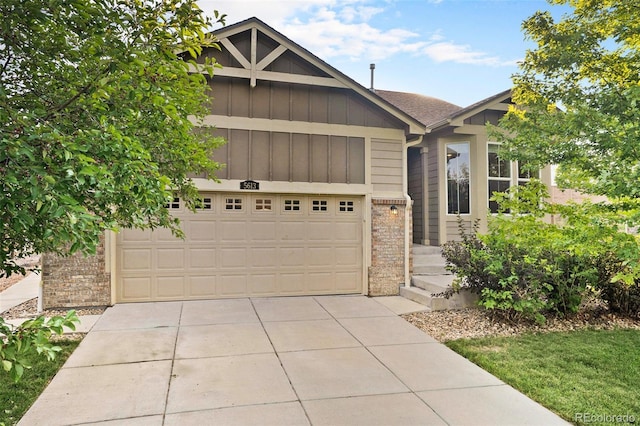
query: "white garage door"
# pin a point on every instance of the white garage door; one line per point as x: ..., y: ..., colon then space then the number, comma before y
x: 246, y: 245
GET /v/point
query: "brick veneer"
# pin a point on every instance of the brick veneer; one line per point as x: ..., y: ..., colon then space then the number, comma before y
x: 75, y: 281
x: 387, y: 246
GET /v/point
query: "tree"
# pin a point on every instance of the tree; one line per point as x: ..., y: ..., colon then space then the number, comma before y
x: 97, y: 111
x: 578, y: 97
x: 97, y: 130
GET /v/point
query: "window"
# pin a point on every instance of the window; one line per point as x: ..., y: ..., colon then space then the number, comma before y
x: 500, y: 176
x: 319, y: 205
x: 233, y: 204
x: 291, y: 205
x: 458, y: 167
x: 204, y: 203
x: 174, y: 204
x: 345, y: 206
x: 525, y: 174
x: 263, y: 204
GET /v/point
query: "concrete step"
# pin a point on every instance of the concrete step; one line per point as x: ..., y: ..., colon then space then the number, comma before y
x: 429, y: 259
x: 426, y: 250
x: 462, y: 300
x: 432, y: 283
x: 429, y: 270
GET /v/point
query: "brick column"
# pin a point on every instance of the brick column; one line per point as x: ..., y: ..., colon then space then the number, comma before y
x: 75, y: 281
x: 386, y: 273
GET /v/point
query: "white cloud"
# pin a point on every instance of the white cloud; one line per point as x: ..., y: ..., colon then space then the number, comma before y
x: 347, y: 29
x: 447, y: 51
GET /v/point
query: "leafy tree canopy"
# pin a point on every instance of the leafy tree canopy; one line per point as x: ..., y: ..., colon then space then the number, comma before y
x: 97, y: 114
x: 580, y: 88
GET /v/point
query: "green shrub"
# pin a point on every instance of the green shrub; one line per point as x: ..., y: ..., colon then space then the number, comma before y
x: 526, y: 266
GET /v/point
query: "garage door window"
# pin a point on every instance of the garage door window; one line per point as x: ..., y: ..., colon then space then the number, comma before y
x: 205, y: 204
x: 174, y: 204
x: 345, y: 206
x: 263, y: 205
x: 319, y: 205
x: 291, y: 205
x: 233, y: 204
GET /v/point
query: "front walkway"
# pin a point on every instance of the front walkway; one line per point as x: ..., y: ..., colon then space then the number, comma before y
x: 330, y: 360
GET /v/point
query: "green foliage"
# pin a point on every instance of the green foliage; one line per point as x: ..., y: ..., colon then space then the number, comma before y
x: 97, y: 116
x: 577, y: 96
x: 583, y: 371
x: 32, y: 336
x: 17, y: 397
x: 527, y: 266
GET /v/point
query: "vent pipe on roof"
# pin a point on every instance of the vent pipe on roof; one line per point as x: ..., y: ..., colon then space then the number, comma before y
x: 372, y: 67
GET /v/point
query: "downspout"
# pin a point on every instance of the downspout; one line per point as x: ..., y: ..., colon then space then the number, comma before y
x: 405, y: 192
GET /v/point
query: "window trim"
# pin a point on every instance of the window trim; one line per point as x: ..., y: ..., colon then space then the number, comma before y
x: 446, y: 179
x: 513, y: 179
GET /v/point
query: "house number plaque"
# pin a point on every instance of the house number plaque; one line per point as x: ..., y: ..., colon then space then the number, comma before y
x: 250, y: 184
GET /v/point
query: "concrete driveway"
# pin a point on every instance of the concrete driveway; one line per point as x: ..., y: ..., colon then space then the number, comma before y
x: 330, y: 360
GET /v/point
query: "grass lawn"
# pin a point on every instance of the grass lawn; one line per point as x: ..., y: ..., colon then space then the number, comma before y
x: 579, y: 375
x: 16, y: 398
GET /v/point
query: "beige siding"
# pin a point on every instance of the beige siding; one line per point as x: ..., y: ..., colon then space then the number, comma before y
x: 294, y: 102
x: 453, y: 231
x: 386, y: 165
x: 292, y: 157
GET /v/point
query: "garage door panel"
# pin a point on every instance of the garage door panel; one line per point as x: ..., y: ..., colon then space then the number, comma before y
x: 170, y: 287
x: 233, y: 285
x: 291, y: 230
x: 232, y: 231
x: 290, y: 283
x: 247, y: 245
x: 165, y: 235
x: 321, y: 256
x: 292, y: 256
x: 233, y: 257
x: 347, y: 232
x: 170, y: 258
x: 202, y: 286
x: 264, y: 257
x: 201, y: 230
x: 202, y: 258
x: 347, y: 281
x: 347, y: 256
x: 263, y: 285
x: 136, y: 288
x: 136, y: 235
x: 320, y: 231
x: 263, y: 230
x: 319, y: 281
x: 136, y: 260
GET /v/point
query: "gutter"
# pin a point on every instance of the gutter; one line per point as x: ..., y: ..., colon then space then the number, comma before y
x: 409, y: 203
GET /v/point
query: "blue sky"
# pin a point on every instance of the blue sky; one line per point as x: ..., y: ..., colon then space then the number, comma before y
x: 461, y: 51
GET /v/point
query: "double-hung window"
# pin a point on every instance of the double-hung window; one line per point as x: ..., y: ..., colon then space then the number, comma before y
x: 503, y: 174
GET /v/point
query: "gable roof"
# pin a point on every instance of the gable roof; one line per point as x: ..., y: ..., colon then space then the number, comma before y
x: 414, y: 126
x: 499, y: 102
x: 426, y: 109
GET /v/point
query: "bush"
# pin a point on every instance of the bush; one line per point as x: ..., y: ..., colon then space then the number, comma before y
x: 526, y: 266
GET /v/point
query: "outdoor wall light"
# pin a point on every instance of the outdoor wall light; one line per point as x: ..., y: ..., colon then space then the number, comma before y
x: 394, y: 210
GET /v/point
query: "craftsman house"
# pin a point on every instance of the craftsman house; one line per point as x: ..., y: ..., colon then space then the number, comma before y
x: 317, y: 190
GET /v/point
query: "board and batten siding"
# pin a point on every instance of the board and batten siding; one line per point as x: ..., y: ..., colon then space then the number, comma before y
x: 433, y: 184
x: 386, y: 166
x: 290, y: 157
